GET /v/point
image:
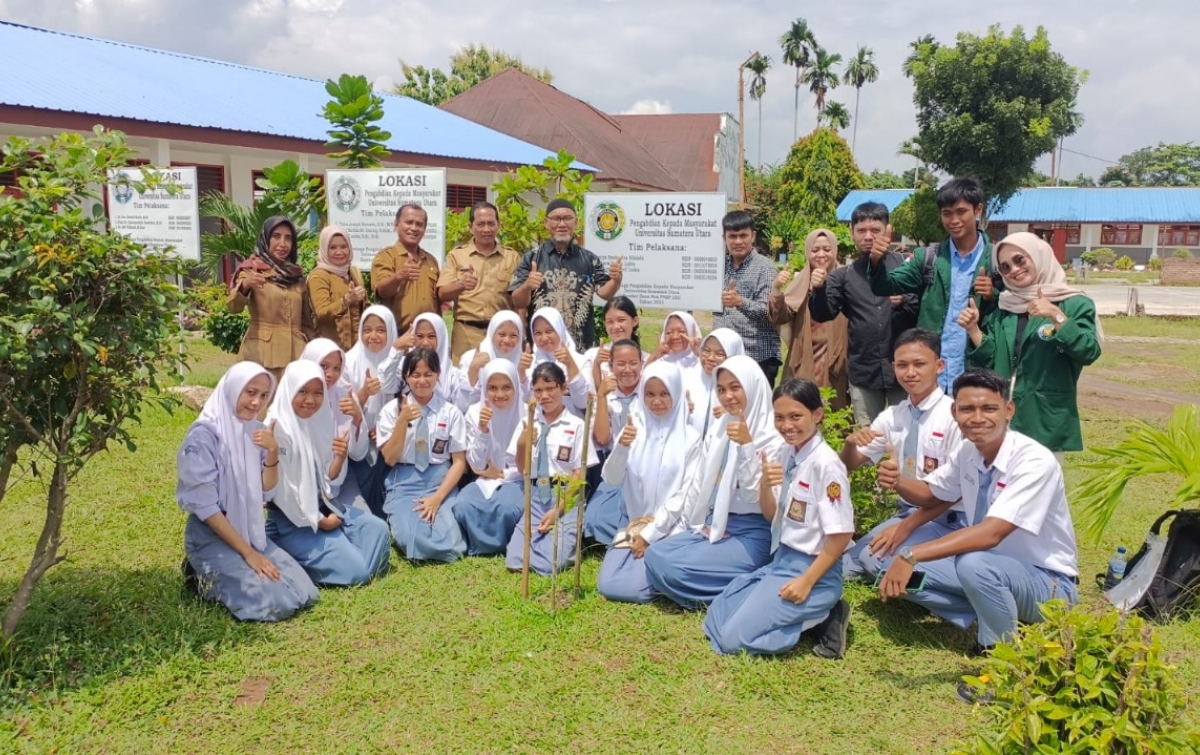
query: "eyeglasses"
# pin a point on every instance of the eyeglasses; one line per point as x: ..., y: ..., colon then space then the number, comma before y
x: 1018, y: 260
x: 560, y: 219
x: 710, y: 354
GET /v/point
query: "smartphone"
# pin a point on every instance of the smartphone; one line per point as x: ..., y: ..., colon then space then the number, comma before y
x: 916, y: 583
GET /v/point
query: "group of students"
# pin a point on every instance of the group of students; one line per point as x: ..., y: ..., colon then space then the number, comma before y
x: 708, y: 488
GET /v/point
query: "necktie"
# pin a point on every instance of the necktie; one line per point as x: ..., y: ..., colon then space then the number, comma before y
x: 981, y: 500
x: 422, y: 442
x: 542, y: 452
x: 707, y: 415
x: 623, y: 416
x: 777, y: 522
x: 787, y: 478
x: 912, y: 442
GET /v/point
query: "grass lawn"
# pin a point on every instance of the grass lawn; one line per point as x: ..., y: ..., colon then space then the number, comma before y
x: 112, y: 657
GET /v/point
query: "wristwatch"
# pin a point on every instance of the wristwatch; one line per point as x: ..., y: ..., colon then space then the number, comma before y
x: 1060, y: 318
x: 906, y: 553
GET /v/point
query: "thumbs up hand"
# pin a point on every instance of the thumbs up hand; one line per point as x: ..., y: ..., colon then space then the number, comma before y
x: 888, y: 471
x: 406, y: 341
x: 265, y: 438
x: 485, y: 417
x: 349, y: 407
x: 468, y: 279
x: 862, y: 437
x: 526, y: 361
x: 819, y: 276
x: 341, y: 445
x: 534, y: 280
x: 372, y: 384
x: 968, y: 319
x: 772, y: 471
x: 983, y: 284
x: 628, y: 433
x: 616, y: 269
x: 881, y: 245
x: 730, y: 298
x: 782, y: 280
x: 410, y: 411
x: 739, y: 431
x: 1043, y: 307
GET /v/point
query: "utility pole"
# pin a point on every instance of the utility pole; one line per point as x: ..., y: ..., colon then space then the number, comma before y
x: 742, y: 130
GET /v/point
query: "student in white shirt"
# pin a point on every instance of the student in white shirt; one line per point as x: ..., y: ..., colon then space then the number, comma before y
x: 372, y: 367
x: 337, y: 545
x: 807, y: 499
x: 728, y: 534
x: 1018, y: 549
x: 505, y: 339
x: 422, y: 436
x: 488, y: 508
x: 429, y: 332
x: 617, y: 401
x: 654, y: 453
x: 720, y: 345
x: 620, y: 322
x: 557, y: 455
x: 343, y: 403
x: 552, y: 343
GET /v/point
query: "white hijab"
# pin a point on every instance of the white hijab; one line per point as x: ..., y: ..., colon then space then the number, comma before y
x: 504, y: 421
x: 315, y: 351
x: 555, y: 319
x: 702, y: 386
x: 359, y: 359
x: 445, y: 366
x: 686, y: 359
x: 488, y: 347
x: 720, y: 462
x: 657, y: 455
x: 239, y: 461
x: 308, y: 444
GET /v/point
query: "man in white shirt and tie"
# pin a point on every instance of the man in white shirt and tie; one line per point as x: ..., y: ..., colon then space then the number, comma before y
x: 1018, y: 548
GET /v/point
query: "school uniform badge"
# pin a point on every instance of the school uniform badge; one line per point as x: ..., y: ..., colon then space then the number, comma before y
x: 564, y: 454
x: 834, y: 491
x: 931, y: 464
x: 797, y: 510
x: 1046, y: 332
x: 439, y: 445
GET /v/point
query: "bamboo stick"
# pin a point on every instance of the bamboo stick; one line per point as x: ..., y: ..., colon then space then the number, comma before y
x: 529, y: 483
x: 582, y: 493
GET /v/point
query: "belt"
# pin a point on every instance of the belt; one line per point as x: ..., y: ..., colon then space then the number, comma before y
x: 481, y: 324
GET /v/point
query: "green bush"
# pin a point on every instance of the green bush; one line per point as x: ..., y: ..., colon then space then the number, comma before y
x: 871, y: 505
x: 224, y: 329
x: 1100, y: 256
x: 1182, y: 253
x: 1081, y: 683
x: 1155, y: 263
x: 1124, y: 262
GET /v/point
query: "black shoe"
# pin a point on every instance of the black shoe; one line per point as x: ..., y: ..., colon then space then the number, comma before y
x: 191, y: 580
x: 973, y: 696
x: 831, y: 642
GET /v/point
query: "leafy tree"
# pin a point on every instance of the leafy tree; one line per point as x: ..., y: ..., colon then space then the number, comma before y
x: 291, y: 192
x: 836, y: 116
x: 798, y: 45
x: 918, y: 218
x: 818, y: 174
x: 1164, y: 165
x: 923, y: 45
x: 860, y: 71
x: 91, y: 326
x: 1082, y: 181
x: 517, y: 191
x: 886, y: 179
x: 991, y: 105
x: 822, y: 75
x: 758, y: 65
x: 353, y: 114
x: 469, y: 66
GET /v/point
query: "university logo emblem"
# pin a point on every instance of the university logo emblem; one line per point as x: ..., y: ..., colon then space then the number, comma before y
x: 346, y: 193
x: 608, y: 220
x: 1046, y: 332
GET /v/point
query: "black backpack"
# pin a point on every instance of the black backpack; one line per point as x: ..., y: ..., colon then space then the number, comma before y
x: 1163, y: 577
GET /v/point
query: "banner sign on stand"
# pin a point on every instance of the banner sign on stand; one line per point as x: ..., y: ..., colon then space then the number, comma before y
x: 156, y: 217
x: 364, y: 202
x: 672, y: 244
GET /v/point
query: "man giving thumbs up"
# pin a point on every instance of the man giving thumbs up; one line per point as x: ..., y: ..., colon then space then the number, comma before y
x: 746, y: 292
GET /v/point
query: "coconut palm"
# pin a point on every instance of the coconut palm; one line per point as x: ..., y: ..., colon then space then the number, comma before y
x: 822, y: 75
x: 835, y: 115
x: 242, y: 226
x: 758, y: 66
x: 859, y: 71
x: 913, y: 148
x: 798, y: 45
x: 926, y: 41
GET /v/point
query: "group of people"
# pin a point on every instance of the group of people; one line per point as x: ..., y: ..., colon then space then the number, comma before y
x: 705, y: 483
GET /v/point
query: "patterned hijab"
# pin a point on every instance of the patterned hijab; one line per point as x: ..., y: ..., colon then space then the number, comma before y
x: 285, y: 272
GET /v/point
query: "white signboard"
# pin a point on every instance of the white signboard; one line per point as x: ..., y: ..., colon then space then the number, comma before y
x: 672, y: 244
x: 156, y: 217
x: 364, y: 202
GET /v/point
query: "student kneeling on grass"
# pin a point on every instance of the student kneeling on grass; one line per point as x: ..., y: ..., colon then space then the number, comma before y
x: 1019, y: 548
x: 807, y: 499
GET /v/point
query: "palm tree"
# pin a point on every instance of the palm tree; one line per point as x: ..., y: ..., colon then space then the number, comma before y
x: 836, y: 115
x: 758, y: 65
x: 927, y: 41
x: 913, y: 148
x: 821, y: 75
x: 798, y: 45
x: 241, y: 225
x: 859, y: 71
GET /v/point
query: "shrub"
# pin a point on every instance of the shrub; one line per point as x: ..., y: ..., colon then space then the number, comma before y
x: 1100, y: 256
x: 224, y: 329
x: 871, y: 505
x: 1081, y: 683
x: 1182, y: 253
x: 1124, y: 262
x: 1155, y: 263
x: 202, y: 300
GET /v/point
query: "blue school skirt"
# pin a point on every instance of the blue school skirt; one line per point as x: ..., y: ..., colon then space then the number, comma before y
x: 541, y: 547
x: 691, y: 571
x: 418, y: 539
x: 353, y: 554
x: 487, y: 524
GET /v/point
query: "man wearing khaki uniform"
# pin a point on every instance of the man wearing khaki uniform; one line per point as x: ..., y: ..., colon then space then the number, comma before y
x: 404, y: 275
x: 475, y: 277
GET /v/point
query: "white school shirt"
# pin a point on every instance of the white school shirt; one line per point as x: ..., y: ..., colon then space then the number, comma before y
x: 749, y: 473
x: 668, y: 517
x: 614, y: 413
x: 472, y: 394
x: 1027, y: 491
x: 565, y: 444
x: 817, y: 503
x: 479, y: 454
x: 938, y: 440
x: 447, y: 431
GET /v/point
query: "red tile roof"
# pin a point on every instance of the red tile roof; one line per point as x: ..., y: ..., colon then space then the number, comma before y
x: 683, y: 142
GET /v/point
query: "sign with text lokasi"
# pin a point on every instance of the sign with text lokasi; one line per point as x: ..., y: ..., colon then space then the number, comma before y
x: 674, y: 253
x: 157, y: 218
x: 364, y: 202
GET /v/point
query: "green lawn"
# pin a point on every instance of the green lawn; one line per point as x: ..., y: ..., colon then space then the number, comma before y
x: 1152, y: 327
x: 446, y: 659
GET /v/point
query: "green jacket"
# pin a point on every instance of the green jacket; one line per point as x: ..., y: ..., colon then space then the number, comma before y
x: 909, y: 278
x: 1051, y: 360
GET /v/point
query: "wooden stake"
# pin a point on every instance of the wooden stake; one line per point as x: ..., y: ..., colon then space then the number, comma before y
x: 582, y: 493
x: 529, y: 483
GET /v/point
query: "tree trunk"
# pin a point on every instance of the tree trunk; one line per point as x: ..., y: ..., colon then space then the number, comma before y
x: 854, y: 138
x: 796, y: 111
x: 6, y: 466
x: 760, y: 133
x: 45, y: 555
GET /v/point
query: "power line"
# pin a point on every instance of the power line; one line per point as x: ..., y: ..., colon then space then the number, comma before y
x: 1091, y: 157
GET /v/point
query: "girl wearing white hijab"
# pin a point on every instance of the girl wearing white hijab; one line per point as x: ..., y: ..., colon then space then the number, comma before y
x: 720, y: 345
x: 552, y: 343
x: 227, y: 466
x: 339, y: 394
x: 505, y: 339
x: 373, y: 368
x: 650, y: 462
x: 487, y: 510
x: 1041, y: 337
x: 679, y: 344
x: 729, y: 536
x: 336, y: 544
x: 429, y: 332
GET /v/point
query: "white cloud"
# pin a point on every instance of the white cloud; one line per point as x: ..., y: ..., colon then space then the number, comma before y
x: 648, y: 107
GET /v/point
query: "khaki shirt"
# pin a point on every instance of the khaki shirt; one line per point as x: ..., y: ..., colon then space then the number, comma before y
x: 336, y: 320
x: 280, y: 322
x: 494, y: 271
x: 412, y: 298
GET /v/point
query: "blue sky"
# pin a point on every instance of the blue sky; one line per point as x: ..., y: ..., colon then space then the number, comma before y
x: 682, y: 55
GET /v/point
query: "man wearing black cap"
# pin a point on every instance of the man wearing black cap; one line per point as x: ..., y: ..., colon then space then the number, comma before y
x: 563, y: 275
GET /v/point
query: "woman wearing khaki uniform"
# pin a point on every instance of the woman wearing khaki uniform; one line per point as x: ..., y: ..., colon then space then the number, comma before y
x: 272, y: 285
x: 335, y: 288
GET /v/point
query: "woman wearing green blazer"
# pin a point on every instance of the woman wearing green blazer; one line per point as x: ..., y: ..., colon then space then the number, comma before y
x: 1041, y: 336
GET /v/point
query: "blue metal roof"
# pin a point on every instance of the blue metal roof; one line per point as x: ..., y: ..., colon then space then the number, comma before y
x: 1067, y: 205
x: 100, y: 77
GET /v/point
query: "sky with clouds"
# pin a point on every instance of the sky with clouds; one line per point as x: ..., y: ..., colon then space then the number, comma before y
x: 682, y: 55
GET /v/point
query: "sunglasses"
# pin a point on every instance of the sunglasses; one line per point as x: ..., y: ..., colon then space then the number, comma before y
x: 1018, y: 260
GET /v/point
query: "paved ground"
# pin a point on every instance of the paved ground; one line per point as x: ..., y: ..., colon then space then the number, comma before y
x: 1158, y: 300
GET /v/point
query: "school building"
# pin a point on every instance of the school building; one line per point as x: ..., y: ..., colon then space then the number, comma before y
x: 1139, y: 222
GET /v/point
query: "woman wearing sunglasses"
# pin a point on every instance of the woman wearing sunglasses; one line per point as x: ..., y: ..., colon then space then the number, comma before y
x: 1041, y: 337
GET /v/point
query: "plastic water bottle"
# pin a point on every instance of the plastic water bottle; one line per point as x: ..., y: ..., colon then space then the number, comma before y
x: 1116, y: 569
